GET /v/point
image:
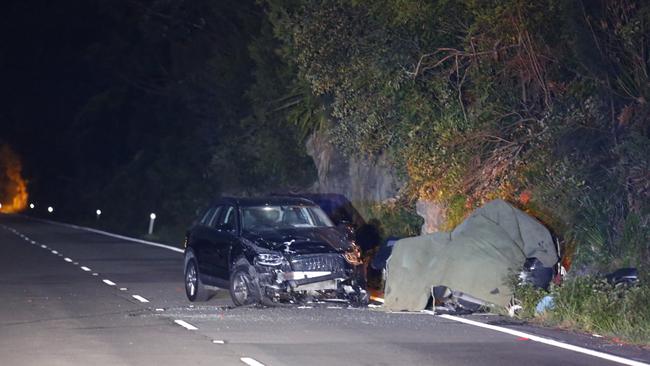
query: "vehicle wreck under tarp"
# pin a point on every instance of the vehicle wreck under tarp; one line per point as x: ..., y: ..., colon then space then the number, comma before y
x: 476, y: 258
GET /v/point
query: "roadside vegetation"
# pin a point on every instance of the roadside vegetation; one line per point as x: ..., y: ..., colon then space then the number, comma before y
x: 392, y: 219
x: 544, y: 104
x: 592, y: 305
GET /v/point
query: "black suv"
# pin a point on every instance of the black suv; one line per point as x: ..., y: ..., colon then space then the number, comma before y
x: 268, y: 250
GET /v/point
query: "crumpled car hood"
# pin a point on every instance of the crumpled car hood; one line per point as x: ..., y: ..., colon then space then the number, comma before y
x: 300, y: 240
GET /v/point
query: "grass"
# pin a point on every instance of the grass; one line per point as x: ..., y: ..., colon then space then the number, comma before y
x: 590, y: 304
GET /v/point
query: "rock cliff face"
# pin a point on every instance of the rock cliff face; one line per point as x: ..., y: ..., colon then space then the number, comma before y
x: 363, y: 180
x: 358, y: 179
x: 433, y: 214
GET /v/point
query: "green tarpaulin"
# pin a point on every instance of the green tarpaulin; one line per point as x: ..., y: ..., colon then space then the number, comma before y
x: 476, y: 258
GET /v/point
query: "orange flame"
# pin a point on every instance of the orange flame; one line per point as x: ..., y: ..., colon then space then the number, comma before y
x: 13, y: 188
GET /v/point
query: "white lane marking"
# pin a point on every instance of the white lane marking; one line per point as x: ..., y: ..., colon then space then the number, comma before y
x: 251, y: 361
x: 95, y: 274
x: 123, y: 289
x: 43, y: 246
x: 185, y: 325
x: 407, y: 312
x: 85, y: 269
x: 168, y: 247
x: 160, y: 309
x: 109, y: 282
x: 55, y: 252
x: 547, y: 341
x: 33, y: 242
x: 67, y: 260
x: 27, y: 239
x: 140, y: 298
x: 218, y: 341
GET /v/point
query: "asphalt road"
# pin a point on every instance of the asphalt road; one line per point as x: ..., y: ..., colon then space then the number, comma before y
x: 71, y: 297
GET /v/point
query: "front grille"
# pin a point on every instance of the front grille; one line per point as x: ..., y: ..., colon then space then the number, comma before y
x: 318, y: 262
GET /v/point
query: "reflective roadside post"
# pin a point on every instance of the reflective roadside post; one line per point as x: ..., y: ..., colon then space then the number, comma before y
x: 152, y: 218
x: 31, y: 205
x: 50, y: 209
x: 98, y: 212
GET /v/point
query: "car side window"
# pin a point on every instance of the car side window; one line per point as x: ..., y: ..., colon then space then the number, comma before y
x: 207, y: 216
x: 229, y: 218
x: 212, y: 222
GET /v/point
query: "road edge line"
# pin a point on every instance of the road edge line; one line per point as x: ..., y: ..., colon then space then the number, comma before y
x: 550, y: 342
x: 118, y: 236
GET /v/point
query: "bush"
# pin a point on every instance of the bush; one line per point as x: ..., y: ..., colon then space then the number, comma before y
x: 592, y: 305
x: 393, y: 218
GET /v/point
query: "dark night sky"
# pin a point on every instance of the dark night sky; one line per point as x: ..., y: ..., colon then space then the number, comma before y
x: 45, y: 76
x: 105, y: 98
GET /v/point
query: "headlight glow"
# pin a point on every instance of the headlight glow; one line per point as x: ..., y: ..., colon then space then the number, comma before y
x: 269, y: 259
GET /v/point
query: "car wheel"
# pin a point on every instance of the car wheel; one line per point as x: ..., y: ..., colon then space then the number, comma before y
x: 244, y: 285
x: 194, y: 289
x: 359, y: 297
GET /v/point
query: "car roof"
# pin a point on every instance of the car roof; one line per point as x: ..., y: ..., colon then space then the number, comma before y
x: 262, y: 201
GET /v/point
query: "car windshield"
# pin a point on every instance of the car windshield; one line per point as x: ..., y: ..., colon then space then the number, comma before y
x: 277, y: 217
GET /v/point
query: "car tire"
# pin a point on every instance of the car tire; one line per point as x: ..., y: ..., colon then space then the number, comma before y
x: 244, y: 285
x: 360, y: 297
x: 194, y: 288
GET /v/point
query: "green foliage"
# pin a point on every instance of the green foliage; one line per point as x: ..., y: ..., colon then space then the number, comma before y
x: 528, y: 297
x: 635, y: 242
x: 394, y: 218
x: 474, y: 100
x: 456, y: 211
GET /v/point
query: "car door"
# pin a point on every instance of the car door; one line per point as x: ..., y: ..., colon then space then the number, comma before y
x: 227, y: 228
x: 203, y: 241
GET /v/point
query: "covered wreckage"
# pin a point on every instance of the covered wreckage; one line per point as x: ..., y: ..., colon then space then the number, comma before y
x: 476, y: 258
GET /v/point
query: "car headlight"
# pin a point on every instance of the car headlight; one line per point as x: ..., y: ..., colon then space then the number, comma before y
x: 353, y: 256
x: 269, y: 259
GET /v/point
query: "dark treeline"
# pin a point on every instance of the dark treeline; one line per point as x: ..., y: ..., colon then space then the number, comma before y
x: 134, y: 107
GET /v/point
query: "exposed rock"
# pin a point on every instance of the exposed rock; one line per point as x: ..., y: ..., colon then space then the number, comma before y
x: 433, y: 214
x: 358, y: 179
x: 364, y: 180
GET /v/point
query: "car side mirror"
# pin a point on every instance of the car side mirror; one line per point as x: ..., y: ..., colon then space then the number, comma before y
x: 347, y: 228
x: 344, y: 221
x: 225, y: 227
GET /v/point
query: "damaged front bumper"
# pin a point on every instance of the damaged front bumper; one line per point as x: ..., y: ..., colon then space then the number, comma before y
x: 278, y: 283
